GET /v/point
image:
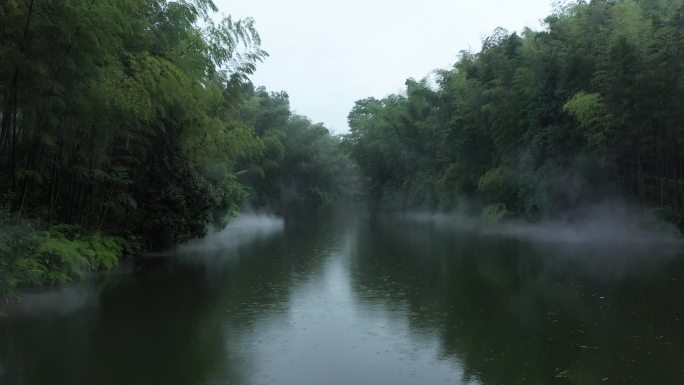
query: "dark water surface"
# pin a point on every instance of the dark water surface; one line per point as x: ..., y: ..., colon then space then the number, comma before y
x: 342, y: 299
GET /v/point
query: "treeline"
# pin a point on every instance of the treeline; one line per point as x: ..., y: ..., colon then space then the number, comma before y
x: 542, y: 122
x: 132, y: 124
x: 301, y: 163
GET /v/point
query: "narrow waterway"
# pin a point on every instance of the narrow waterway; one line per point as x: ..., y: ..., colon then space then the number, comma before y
x: 350, y: 299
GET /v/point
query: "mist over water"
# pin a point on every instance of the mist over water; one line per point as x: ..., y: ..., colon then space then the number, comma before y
x: 357, y: 298
x: 609, y: 242
x: 62, y: 300
x: 607, y: 224
x: 243, y: 229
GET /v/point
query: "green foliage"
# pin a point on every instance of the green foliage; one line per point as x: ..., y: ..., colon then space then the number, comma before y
x: 123, y: 118
x: 590, y: 105
x: 494, y: 213
x: 33, y: 258
x: 134, y: 119
x: 301, y: 162
x: 452, y: 184
x: 498, y: 185
x: 592, y: 116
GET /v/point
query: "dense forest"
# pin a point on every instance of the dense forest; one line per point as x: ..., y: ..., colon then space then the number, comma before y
x: 539, y: 123
x: 132, y: 125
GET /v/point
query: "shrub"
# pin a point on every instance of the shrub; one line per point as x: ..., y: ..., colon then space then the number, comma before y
x: 33, y: 258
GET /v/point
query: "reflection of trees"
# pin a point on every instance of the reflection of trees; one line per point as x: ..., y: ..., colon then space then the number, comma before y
x: 171, y: 324
x: 513, y: 313
x: 149, y: 329
x: 508, y: 311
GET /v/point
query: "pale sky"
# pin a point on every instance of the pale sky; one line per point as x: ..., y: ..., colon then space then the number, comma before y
x: 327, y: 54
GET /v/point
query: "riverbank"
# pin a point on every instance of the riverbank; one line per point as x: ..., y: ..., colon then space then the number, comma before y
x: 34, y: 256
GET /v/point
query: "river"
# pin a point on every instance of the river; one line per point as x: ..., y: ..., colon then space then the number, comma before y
x: 340, y: 298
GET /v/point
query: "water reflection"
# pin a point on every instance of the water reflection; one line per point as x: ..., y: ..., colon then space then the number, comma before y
x: 340, y: 299
x: 518, y: 313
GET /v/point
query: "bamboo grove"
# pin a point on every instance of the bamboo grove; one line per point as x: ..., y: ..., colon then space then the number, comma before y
x: 540, y: 123
x: 132, y: 124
